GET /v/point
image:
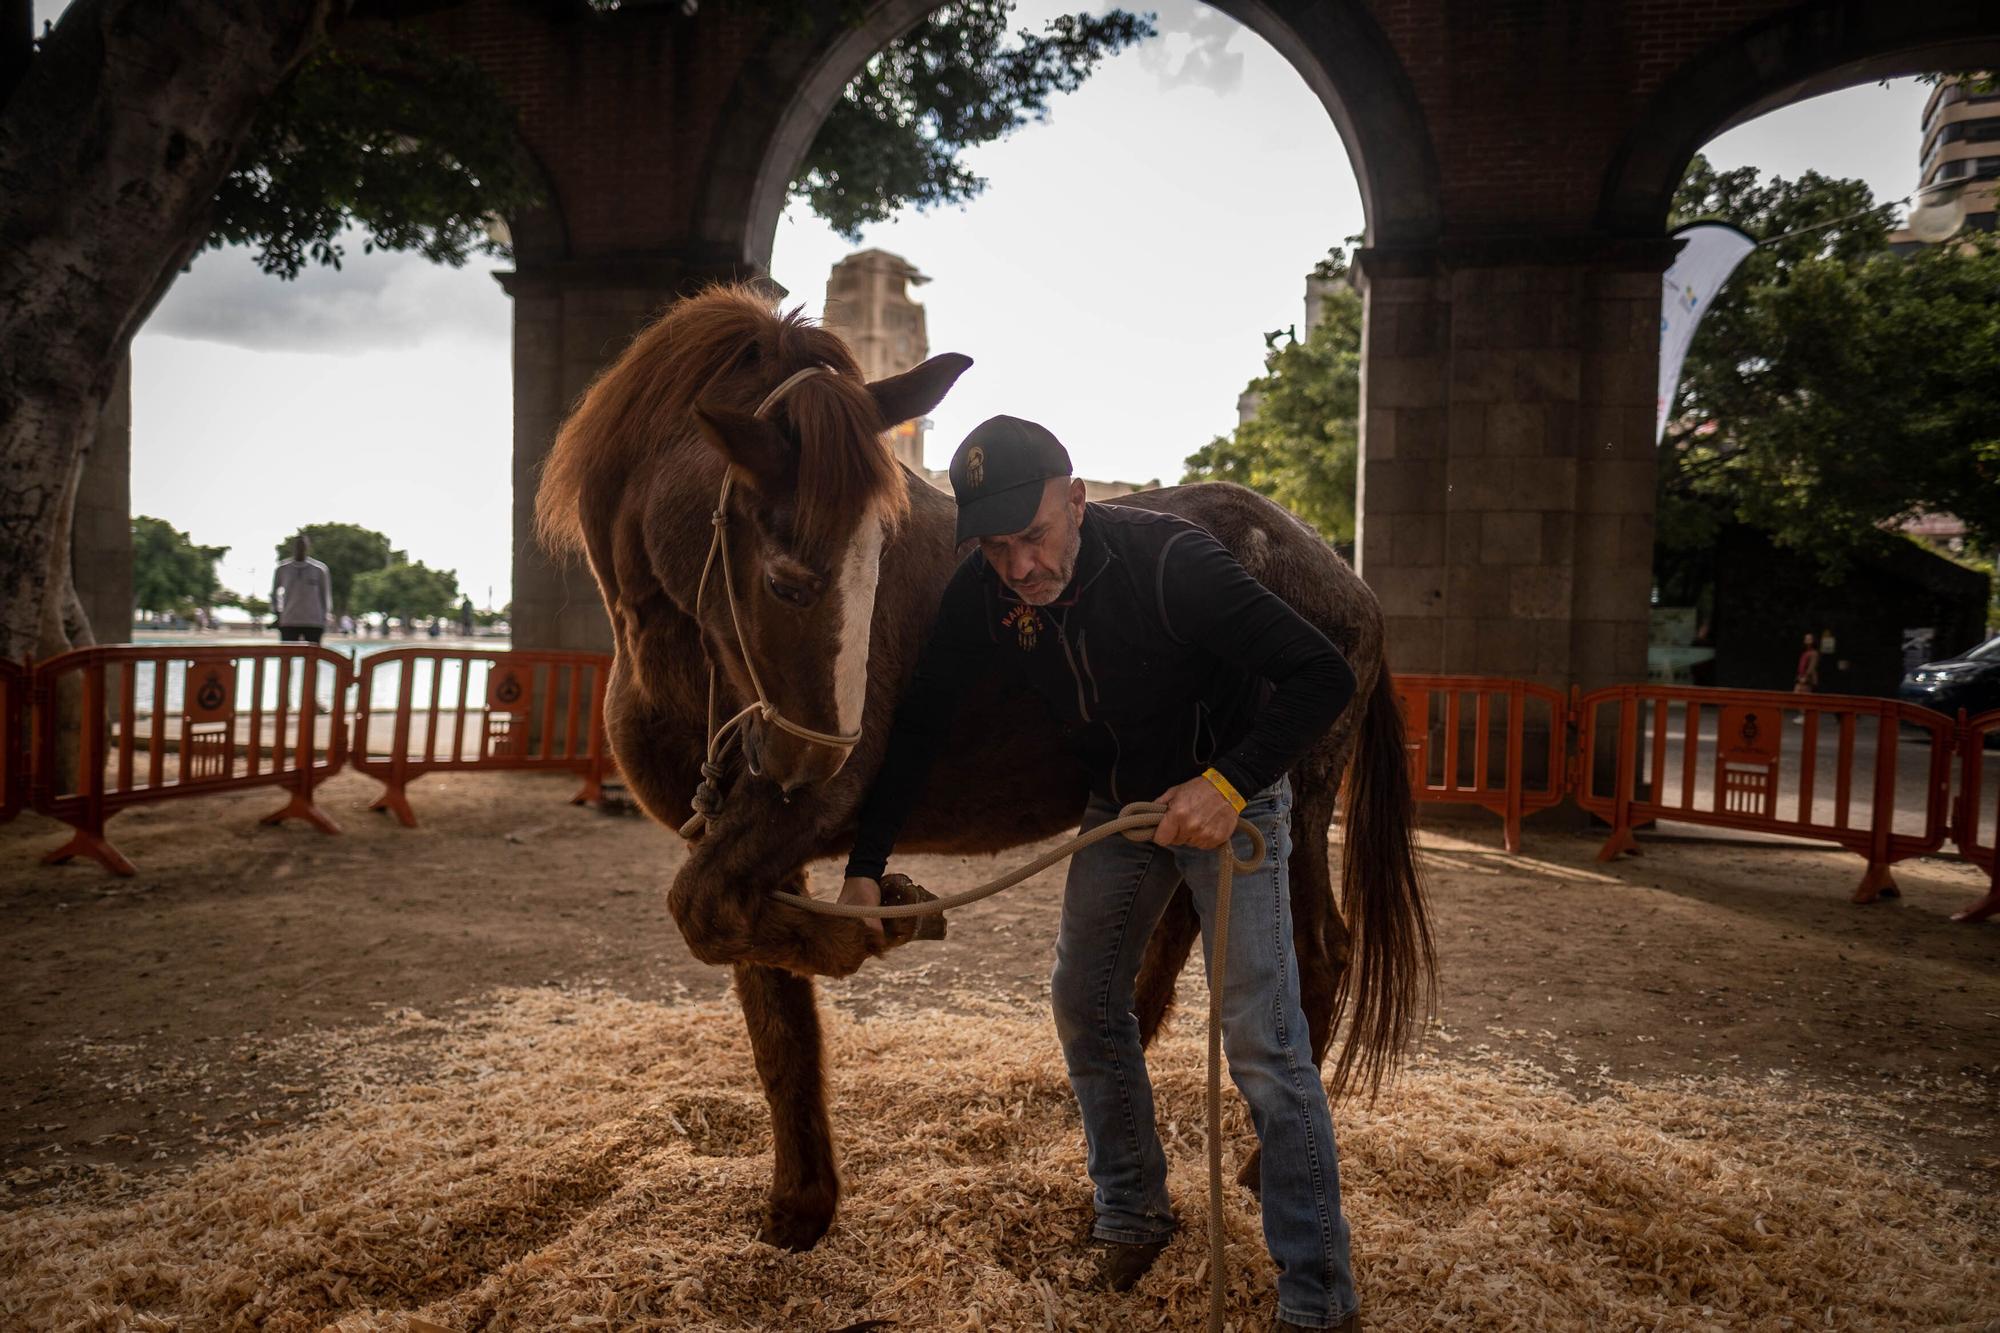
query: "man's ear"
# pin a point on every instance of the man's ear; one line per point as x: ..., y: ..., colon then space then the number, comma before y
x: 753, y: 445
x: 907, y: 396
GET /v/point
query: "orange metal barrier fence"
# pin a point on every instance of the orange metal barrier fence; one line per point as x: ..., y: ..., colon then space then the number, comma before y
x: 1976, y: 825
x: 13, y: 740
x: 122, y: 726
x: 1485, y: 758
x: 1732, y: 759
x: 427, y: 710
x: 89, y: 733
x: 1819, y: 767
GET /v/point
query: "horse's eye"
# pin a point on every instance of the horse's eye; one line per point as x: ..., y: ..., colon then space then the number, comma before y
x: 792, y: 594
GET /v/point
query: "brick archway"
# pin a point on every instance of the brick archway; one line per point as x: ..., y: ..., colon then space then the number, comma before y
x: 1793, y: 56
x: 1337, y: 49
x: 1515, y: 161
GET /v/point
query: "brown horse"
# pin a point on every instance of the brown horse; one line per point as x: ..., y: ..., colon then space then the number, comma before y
x: 837, y: 557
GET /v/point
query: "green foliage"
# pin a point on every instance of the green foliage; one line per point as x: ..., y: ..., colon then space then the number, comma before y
x: 950, y: 83
x: 1977, y: 82
x: 1979, y: 563
x: 347, y: 551
x: 383, y: 131
x: 170, y: 573
x: 1834, y: 388
x: 408, y: 591
x: 256, y: 606
x: 1301, y: 446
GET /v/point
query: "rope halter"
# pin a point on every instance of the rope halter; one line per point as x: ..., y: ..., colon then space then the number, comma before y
x: 708, y: 794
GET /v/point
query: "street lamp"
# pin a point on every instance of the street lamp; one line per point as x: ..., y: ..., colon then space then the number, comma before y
x: 1941, y: 212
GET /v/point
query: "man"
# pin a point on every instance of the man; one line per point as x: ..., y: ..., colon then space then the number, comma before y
x: 1186, y: 681
x: 302, y: 595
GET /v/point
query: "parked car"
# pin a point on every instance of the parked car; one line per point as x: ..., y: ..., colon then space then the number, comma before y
x: 1970, y: 681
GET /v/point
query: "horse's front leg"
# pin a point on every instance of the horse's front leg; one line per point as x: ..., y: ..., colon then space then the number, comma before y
x: 722, y: 902
x: 783, y: 1018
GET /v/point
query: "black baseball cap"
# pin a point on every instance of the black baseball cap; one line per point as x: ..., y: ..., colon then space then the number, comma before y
x: 997, y: 475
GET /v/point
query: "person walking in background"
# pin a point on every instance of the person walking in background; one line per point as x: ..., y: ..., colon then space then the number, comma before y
x: 1807, y: 679
x: 465, y: 617
x: 302, y: 595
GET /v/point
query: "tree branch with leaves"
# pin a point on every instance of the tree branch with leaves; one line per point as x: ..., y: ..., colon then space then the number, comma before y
x: 1301, y: 445
x: 1834, y: 388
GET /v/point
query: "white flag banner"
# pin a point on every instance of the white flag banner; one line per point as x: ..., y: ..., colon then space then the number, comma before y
x: 1712, y: 252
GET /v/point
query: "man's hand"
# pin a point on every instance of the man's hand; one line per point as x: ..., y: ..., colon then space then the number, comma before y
x: 1197, y: 816
x: 866, y: 893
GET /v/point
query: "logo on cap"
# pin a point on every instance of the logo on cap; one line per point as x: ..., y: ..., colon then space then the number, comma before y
x: 975, y: 466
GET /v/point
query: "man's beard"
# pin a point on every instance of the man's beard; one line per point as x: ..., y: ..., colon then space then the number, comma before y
x: 1042, y: 592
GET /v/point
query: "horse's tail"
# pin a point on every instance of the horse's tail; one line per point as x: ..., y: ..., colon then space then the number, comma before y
x: 1391, y: 978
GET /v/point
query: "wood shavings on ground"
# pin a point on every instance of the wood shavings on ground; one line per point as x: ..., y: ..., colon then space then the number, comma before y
x: 582, y: 1160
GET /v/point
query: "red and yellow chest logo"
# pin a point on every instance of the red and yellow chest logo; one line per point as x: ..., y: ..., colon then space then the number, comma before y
x: 1026, y: 622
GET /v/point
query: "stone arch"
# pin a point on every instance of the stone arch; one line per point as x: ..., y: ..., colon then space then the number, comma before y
x: 540, y: 235
x: 1798, y: 54
x: 1336, y: 47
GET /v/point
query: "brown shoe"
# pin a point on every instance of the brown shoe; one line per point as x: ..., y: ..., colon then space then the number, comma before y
x: 1351, y: 1324
x: 1115, y: 1265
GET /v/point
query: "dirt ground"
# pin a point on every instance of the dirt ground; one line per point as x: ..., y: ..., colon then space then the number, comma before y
x: 146, y: 1021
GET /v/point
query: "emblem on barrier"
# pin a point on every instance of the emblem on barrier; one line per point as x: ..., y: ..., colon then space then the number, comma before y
x: 208, y: 727
x: 1747, y: 757
x: 210, y: 690
x: 509, y: 694
x: 506, y: 692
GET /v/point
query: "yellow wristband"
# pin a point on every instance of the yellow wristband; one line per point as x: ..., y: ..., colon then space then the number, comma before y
x: 1229, y: 794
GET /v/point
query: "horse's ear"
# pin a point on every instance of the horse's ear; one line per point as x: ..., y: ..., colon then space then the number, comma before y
x: 907, y: 396
x: 752, y: 444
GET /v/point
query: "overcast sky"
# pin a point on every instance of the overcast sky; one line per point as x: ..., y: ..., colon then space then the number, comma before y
x: 1113, y: 283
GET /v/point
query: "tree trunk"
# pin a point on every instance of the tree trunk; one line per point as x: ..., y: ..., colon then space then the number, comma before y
x: 111, y: 148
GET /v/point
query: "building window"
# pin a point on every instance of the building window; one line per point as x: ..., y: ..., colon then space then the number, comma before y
x: 1969, y: 166
x: 1962, y: 131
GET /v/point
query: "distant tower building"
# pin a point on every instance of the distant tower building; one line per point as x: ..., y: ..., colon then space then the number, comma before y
x: 869, y: 305
x: 1317, y: 286
x: 1961, y: 142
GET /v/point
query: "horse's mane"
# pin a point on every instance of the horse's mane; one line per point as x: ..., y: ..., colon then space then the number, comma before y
x: 725, y: 348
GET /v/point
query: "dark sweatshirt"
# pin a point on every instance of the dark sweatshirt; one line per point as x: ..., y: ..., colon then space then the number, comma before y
x: 1163, y: 658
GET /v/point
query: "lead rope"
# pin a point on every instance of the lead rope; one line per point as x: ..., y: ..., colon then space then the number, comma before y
x: 708, y: 793
x: 1135, y: 821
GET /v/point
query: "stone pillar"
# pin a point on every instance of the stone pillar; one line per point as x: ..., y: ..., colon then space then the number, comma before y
x: 1507, y: 460
x: 571, y: 318
x: 100, y: 542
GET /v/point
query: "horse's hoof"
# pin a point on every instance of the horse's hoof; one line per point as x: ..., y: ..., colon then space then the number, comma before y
x: 1251, y: 1174
x: 898, y: 890
x: 795, y: 1226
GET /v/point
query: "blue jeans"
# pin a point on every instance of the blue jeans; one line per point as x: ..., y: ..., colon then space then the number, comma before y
x: 1116, y: 893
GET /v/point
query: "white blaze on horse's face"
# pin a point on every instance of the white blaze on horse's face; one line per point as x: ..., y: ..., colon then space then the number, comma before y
x: 860, y: 572
x: 809, y: 456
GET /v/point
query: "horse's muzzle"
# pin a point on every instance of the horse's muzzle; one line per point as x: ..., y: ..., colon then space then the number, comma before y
x: 792, y: 763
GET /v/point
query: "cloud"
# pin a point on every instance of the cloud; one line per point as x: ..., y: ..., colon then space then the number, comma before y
x: 372, y: 302
x: 1192, y: 49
